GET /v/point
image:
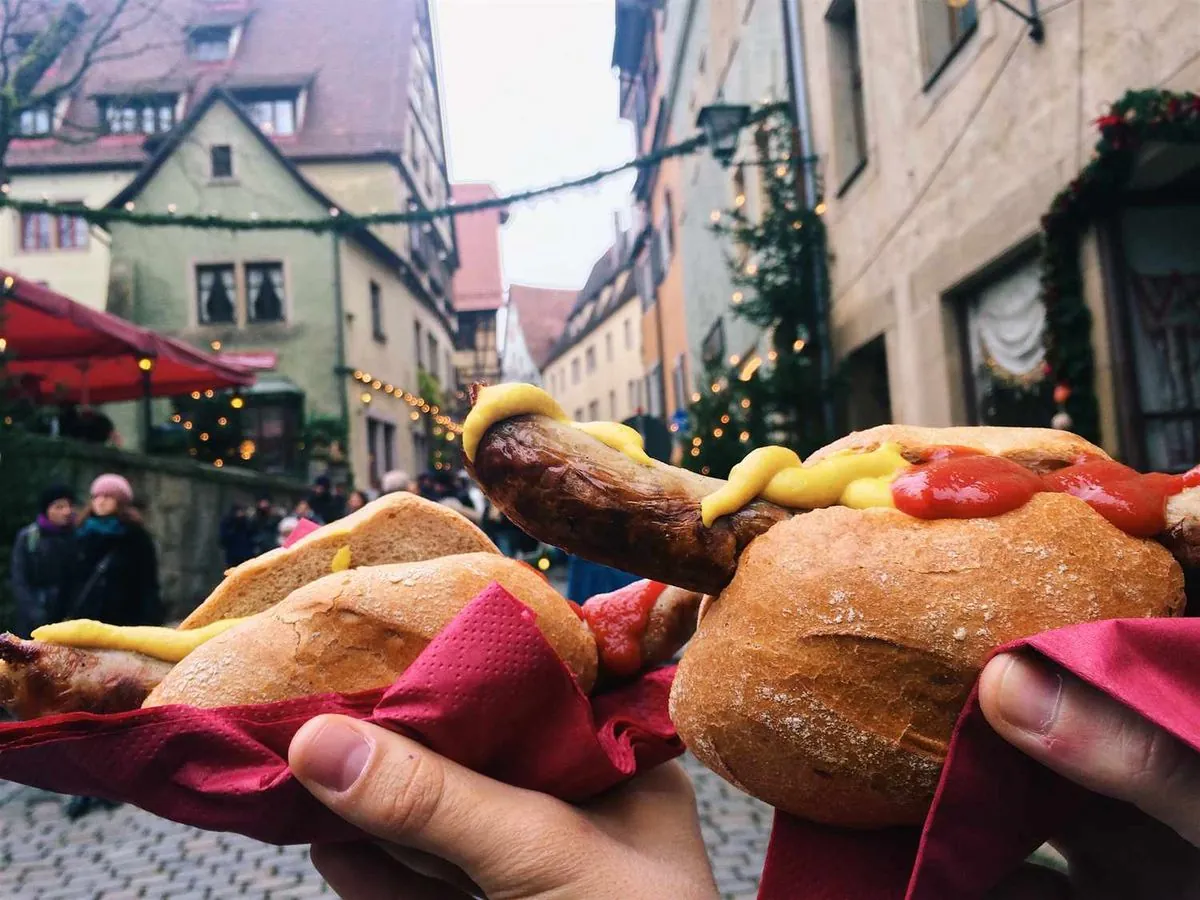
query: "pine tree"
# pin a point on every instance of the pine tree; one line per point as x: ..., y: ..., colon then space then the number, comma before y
x: 774, y: 266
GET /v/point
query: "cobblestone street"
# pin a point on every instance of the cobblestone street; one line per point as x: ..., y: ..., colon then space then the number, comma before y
x: 127, y: 853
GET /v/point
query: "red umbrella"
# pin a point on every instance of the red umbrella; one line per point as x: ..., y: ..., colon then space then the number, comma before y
x: 82, y: 355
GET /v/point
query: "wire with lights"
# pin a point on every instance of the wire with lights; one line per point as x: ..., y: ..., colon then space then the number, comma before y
x: 444, y: 426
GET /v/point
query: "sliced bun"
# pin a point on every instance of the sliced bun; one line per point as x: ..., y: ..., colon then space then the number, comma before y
x: 361, y: 629
x: 396, y: 528
x: 827, y: 678
x: 1040, y: 449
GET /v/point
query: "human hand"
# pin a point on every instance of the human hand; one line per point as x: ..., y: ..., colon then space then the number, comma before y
x: 1140, y: 837
x: 444, y: 831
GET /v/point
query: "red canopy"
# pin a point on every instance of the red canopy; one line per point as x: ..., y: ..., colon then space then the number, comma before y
x: 81, y: 355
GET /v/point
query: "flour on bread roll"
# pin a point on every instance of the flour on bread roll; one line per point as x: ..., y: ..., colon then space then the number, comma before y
x: 396, y: 528
x: 826, y: 679
x: 360, y: 629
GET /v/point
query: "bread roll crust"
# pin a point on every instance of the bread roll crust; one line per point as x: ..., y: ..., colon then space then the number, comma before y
x: 396, y: 528
x: 827, y: 678
x: 1039, y: 449
x: 360, y: 629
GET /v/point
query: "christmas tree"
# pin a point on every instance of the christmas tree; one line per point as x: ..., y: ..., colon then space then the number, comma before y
x: 778, y: 264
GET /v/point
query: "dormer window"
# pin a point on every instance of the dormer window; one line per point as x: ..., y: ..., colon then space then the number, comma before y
x: 274, y: 111
x: 210, y: 43
x: 37, y: 121
x: 153, y: 114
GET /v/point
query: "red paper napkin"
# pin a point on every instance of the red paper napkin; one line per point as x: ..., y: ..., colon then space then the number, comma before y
x: 488, y: 692
x: 994, y: 805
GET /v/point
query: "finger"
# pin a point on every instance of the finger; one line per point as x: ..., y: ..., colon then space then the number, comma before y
x: 362, y: 871
x: 397, y: 790
x: 1091, y: 739
x: 431, y: 867
x: 1033, y: 883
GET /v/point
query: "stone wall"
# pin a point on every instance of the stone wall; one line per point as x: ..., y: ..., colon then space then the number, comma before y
x: 184, y: 503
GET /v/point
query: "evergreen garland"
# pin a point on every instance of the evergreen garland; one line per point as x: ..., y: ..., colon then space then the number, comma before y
x: 774, y: 266
x: 1139, y: 117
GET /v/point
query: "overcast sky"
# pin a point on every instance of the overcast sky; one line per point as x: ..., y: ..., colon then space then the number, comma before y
x: 531, y: 99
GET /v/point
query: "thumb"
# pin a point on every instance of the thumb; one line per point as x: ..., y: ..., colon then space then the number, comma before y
x: 397, y: 790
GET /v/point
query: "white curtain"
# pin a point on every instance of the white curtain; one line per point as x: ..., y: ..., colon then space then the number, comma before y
x: 1007, y: 323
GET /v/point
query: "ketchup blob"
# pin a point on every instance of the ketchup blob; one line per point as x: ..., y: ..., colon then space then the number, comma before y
x: 953, y: 483
x: 618, y: 621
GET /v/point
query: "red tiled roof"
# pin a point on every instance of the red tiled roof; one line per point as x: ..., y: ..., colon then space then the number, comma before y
x: 355, y: 58
x: 543, y: 314
x: 479, y: 281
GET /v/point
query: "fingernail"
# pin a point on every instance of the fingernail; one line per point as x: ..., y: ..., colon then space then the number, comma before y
x: 335, y: 756
x: 1030, y: 696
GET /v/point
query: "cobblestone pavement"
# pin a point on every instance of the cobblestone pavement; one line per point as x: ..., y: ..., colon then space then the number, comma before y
x: 128, y: 853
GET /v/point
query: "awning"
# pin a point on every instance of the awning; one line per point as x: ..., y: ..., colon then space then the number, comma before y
x: 82, y: 355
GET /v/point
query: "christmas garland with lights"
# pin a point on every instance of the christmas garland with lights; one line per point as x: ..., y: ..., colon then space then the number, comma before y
x: 342, y: 221
x: 1138, y: 118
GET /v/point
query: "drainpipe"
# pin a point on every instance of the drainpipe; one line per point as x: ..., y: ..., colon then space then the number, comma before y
x: 340, y: 336
x: 802, y: 117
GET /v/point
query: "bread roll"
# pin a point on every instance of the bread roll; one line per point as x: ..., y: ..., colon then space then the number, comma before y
x: 361, y: 629
x: 827, y: 678
x: 396, y: 528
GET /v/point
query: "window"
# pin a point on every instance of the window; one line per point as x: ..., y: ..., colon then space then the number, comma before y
x: 210, y: 43
x: 138, y: 115
x: 575, y: 370
x: 215, y: 294
x: 713, y: 349
x: 679, y: 382
x: 272, y: 111
x: 668, y: 228
x: 37, y: 121
x: 612, y: 405
x: 420, y: 347
x: 608, y: 347
x: 433, y: 355
x: 273, y: 425
x: 654, y: 391
x: 451, y: 373
x: 645, y: 284
x: 594, y: 411
x: 629, y: 334
x: 846, y: 83
x: 264, y: 292
x: 635, y: 396
x: 381, y: 449
x: 72, y: 232
x: 37, y: 231
x: 590, y: 358
x: 221, y: 158
x: 579, y: 414
x: 944, y: 28
x: 377, y: 313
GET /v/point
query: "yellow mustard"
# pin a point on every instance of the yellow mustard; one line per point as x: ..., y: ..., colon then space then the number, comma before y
x: 850, y: 478
x: 506, y: 401
x: 341, y: 560
x: 166, y: 644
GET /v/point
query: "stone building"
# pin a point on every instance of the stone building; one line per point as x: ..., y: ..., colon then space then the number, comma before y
x: 478, y: 286
x: 532, y: 320
x: 945, y: 132
x: 348, y: 108
x: 595, y: 368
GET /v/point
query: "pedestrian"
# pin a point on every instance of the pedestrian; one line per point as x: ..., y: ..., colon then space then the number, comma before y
x: 264, y: 526
x: 42, y: 557
x: 286, y: 526
x: 356, y: 501
x: 235, y: 537
x: 115, y: 574
x: 324, y: 503
x: 448, y: 492
x: 398, y: 481
x: 304, y: 511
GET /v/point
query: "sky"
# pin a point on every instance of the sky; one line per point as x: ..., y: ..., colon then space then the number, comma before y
x: 531, y: 99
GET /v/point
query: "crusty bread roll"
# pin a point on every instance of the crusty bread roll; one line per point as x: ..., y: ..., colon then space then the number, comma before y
x: 396, y: 528
x: 827, y: 678
x: 361, y: 629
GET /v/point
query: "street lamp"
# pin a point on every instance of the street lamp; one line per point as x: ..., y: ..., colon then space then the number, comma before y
x: 1033, y: 18
x: 722, y: 124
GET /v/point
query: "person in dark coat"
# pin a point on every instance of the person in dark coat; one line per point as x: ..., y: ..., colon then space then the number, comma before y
x: 116, y: 571
x: 264, y: 526
x: 42, y: 559
x: 115, y: 576
x: 327, y: 506
x: 237, y: 538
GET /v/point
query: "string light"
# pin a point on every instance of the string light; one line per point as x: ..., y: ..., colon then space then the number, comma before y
x: 705, y: 470
x: 219, y: 463
x: 716, y: 387
x: 798, y: 345
x: 187, y: 426
x: 718, y: 432
x: 237, y: 402
x: 739, y: 201
x: 696, y: 442
x: 752, y: 268
x: 695, y: 451
x: 744, y: 436
x: 772, y: 356
x: 216, y: 345
x: 222, y: 421
x: 130, y: 206
x: 145, y: 364
x: 781, y: 171
x: 204, y: 435
x: 365, y: 398
x: 195, y: 395
x: 3, y: 345
x: 715, y: 216
x: 750, y: 368
x: 209, y: 394
x: 696, y: 397
x: 734, y: 360
x: 172, y: 208
x: 820, y: 208
x: 746, y: 404
x: 797, y: 225
x: 177, y: 418
x: 414, y: 415
x: 738, y: 297
x: 725, y: 420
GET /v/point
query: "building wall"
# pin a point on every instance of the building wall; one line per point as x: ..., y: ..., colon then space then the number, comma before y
x: 81, y: 274
x: 516, y: 362
x: 959, y: 172
x: 733, y: 50
x: 613, y: 386
x: 365, y: 187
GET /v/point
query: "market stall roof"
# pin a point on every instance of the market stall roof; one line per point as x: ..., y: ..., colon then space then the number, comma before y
x: 82, y: 355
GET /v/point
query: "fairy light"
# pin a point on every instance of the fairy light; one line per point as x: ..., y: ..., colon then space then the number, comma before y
x: 365, y: 398
x: 798, y: 345
x: 216, y: 345
x: 145, y: 364
x: 739, y: 201
x: 3, y: 345
x: 797, y: 225
x: 218, y: 463
x: 715, y: 216
x: 172, y: 208
x: 734, y: 360
x: 725, y: 420
x: 716, y: 387
x: 696, y: 397
x: 414, y: 415
x: 130, y: 206
x: 752, y: 269
x: 820, y: 208
x: 738, y: 297
x: 772, y: 356
x: 237, y: 402
x: 750, y: 368
x: 176, y: 418
x: 781, y: 171
x: 204, y: 435
x: 222, y: 421
x: 744, y: 436
x: 358, y: 374
x: 695, y: 451
x: 696, y: 442
x: 718, y: 432
x: 705, y: 470
x: 746, y: 404
x: 187, y: 426
x: 209, y: 394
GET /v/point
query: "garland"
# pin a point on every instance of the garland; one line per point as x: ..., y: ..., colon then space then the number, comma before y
x: 340, y: 221
x: 1139, y: 117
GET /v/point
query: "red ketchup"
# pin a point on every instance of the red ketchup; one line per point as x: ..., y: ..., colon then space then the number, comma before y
x: 953, y: 483
x: 618, y: 620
